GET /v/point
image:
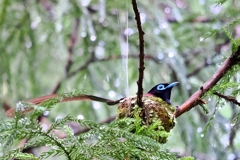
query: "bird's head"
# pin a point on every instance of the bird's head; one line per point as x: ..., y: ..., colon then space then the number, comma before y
x: 163, y: 91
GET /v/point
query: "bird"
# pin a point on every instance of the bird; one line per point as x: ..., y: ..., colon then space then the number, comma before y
x: 161, y: 90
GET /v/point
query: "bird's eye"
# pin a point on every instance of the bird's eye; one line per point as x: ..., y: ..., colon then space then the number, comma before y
x: 160, y: 87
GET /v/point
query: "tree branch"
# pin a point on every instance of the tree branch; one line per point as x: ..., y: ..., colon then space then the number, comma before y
x: 141, y: 54
x: 195, y: 99
x: 198, y: 69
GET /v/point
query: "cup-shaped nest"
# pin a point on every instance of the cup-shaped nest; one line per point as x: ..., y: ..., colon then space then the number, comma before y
x: 153, y: 109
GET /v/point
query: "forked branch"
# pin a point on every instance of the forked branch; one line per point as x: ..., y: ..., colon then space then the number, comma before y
x: 195, y: 99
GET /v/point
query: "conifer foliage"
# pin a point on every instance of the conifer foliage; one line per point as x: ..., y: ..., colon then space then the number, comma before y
x: 54, y: 47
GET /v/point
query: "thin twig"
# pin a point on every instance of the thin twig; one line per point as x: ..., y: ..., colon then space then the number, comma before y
x: 207, y: 61
x: 92, y: 59
x: 195, y: 99
x: 133, y: 56
x: 198, y: 69
x: 84, y: 66
x: 228, y: 98
x: 141, y: 54
x: 71, y: 44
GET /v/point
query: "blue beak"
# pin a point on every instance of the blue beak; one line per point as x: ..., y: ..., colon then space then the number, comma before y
x: 172, y: 85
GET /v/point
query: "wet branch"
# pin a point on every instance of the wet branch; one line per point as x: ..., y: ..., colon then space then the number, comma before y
x: 195, y: 99
x: 141, y: 54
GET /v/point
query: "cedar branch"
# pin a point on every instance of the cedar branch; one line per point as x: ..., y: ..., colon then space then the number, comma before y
x: 195, y: 99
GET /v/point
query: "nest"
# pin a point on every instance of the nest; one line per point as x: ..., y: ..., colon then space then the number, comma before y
x: 154, y: 109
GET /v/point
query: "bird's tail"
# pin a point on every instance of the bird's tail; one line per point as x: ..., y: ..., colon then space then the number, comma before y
x: 39, y: 100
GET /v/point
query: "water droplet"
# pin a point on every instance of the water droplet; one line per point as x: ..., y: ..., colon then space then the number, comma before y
x: 160, y: 56
x: 170, y: 54
x: 202, y: 135
x: 93, y: 38
x: 35, y: 23
x: 99, y: 52
x: 96, y: 105
x: 44, y: 127
x: 102, y: 127
x: 85, y: 2
x: 20, y: 106
x: 199, y: 129
x: 216, y: 9
x: 128, y: 31
x: 58, y: 27
x: 28, y: 44
x: 167, y: 10
x: 83, y: 34
x: 80, y: 116
x: 117, y: 82
x: 201, y: 39
x: 163, y: 25
x: 58, y: 117
x: 111, y: 94
x: 101, y: 43
x: 46, y: 113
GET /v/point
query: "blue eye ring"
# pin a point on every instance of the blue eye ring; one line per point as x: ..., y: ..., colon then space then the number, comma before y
x: 160, y: 87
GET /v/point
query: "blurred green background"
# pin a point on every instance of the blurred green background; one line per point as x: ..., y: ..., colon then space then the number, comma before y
x: 49, y: 46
